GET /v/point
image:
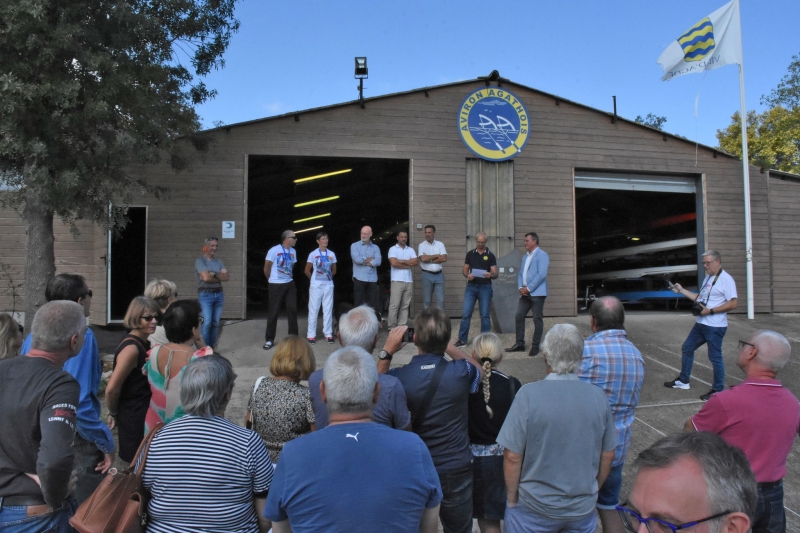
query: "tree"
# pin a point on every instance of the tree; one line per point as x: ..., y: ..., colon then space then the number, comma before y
x: 89, y: 88
x: 773, y: 137
x: 654, y: 121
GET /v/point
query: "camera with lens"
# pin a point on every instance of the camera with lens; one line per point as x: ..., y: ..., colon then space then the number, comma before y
x: 697, y: 308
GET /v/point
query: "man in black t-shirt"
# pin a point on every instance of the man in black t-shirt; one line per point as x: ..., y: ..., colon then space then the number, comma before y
x: 480, y: 268
x: 37, y: 428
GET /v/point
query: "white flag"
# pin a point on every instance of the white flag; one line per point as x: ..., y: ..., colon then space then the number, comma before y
x: 713, y: 42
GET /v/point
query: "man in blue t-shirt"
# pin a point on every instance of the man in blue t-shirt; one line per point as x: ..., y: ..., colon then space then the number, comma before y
x: 210, y: 273
x: 442, y: 423
x: 94, y: 445
x: 354, y: 474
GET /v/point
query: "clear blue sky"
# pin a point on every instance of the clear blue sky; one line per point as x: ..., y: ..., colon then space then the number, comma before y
x: 296, y: 55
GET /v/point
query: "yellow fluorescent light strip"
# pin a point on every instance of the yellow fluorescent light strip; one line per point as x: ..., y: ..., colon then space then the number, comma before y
x: 308, y: 229
x: 320, y: 176
x: 312, y: 202
x: 311, y: 218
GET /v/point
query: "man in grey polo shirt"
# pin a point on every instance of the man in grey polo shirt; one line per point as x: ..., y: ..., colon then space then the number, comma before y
x: 559, y: 440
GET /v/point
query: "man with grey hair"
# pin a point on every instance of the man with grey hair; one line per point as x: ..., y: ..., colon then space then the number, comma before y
x: 717, y: 296
x: 762, y: 418
x: 693, y: 481
x: 37, y: 428
x: 611, y: 362
x: 354, y: 475
x: 359, y: 327
x: 559, y: 439
x: 278, y: 267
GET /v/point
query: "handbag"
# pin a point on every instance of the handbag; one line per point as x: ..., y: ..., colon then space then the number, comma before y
x: 119, y: 503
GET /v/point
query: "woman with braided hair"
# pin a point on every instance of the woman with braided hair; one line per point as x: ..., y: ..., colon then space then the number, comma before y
x: 487, y: 412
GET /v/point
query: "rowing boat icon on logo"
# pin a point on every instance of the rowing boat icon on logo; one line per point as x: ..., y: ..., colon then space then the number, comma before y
x: 493, y: 123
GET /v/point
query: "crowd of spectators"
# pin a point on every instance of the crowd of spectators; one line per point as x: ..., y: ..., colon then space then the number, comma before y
x: 368, y: 446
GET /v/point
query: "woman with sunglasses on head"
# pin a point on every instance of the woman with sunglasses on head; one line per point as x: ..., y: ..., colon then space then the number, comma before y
x: 128, y: 391
x: 10, y: 337
x: 164, y: 369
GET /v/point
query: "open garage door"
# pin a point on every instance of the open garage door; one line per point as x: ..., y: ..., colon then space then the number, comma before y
x: 337, y: 195
x: 634, y: 233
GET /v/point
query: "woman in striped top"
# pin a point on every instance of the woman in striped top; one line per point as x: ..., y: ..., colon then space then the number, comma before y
x: 164, y: 368
x: 204, y: 473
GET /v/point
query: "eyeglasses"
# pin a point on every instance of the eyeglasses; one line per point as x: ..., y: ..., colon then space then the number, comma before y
x: 742, y: 344
x: 21, y: 328
x: 202, y: 319
x: 150, y: 318
x: 631, y: 520
x: 709, y: 262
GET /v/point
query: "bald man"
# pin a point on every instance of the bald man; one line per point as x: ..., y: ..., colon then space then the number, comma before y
x: 366, y: 259
x: 761, y: 417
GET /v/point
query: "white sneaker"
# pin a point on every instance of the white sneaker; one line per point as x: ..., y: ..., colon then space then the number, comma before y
x: 677, y: 384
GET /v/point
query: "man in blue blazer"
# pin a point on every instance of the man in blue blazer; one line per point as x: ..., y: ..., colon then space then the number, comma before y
x: 532, y: 282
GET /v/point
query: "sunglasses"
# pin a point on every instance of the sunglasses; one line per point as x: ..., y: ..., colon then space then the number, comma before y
x: 150, y: 318
x: 88, y: 293
x: 21, y: 328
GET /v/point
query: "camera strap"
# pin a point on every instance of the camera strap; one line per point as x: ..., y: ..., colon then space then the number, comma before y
x: 708, y: 296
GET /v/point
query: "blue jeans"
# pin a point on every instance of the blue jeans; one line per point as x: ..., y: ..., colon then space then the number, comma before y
x: 455, y: 511
x: 212, y: 303
x: 483, y: 293
x: 432, y: 284
x: 770, y: 516
x: 15, y: 519
x: 700, y: 335
x: 608, y: 495
x: 520, y: 519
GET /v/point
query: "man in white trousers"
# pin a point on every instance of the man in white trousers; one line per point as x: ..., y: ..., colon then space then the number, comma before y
x: 320, y: 269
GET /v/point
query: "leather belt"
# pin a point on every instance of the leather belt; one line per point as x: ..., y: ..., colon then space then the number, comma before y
x: 769, y: 484
x: 21, y: 501
x: 218, y: 289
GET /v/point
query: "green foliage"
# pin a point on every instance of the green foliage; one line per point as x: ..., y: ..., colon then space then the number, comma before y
x: 773, y: 137
x: 89, y: 88
x: 654, y: 121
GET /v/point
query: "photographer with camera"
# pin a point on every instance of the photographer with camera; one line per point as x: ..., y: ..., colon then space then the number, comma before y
x: 717, y: 296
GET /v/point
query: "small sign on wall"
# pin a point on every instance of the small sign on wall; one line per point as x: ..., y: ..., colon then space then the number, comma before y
x: 228, y: 229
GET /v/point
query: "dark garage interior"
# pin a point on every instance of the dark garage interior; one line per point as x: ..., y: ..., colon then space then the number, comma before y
x: 342, y: 195
x: 631, y: 242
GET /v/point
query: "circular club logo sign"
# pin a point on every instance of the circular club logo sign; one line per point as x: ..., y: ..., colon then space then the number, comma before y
x: 493, y: 123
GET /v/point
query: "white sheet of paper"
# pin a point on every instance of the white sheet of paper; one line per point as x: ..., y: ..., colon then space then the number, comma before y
x: 478, y: 273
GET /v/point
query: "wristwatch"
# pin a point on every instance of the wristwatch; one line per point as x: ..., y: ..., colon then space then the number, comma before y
x: 384, y: 356
x: 710, y: 311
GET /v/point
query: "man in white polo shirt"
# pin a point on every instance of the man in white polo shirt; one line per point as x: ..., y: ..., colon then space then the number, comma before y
x: 431, y: 256
x: 402, y: 258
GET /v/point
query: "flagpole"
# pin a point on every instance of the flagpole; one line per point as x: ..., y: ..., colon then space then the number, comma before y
x: 748, y: 237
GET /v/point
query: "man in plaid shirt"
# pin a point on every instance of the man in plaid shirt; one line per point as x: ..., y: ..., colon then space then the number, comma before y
x: 613, y: 363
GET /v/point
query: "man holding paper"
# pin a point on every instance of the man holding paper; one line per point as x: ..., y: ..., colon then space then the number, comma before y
x: 480, y: 268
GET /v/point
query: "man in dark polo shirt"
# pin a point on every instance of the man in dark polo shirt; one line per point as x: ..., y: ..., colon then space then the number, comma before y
x: 443, y: 424
x: 480, y: 268
x: 37, y: 428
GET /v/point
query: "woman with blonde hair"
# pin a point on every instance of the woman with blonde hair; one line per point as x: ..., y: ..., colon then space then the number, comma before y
x: 164, y: 292
x: 487, y: 412
x: 128, y: 391
x: 280, y: 408
x: 10, y: 337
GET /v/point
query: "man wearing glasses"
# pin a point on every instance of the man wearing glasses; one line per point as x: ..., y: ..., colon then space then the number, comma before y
x: 690, y: 481
x: 94, y: 445
x: 210, y: 273
x: 480, y: 268
x: 762, y: 418
x: 278, y: 267
x: 717, y: 296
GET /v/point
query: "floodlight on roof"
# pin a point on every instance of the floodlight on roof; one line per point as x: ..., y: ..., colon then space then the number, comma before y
x: 361, y: 68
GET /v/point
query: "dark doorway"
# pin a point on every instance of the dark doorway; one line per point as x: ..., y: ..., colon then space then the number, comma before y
x: 631, y: 243
x: 128, y: 267
x: 354, y: 193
